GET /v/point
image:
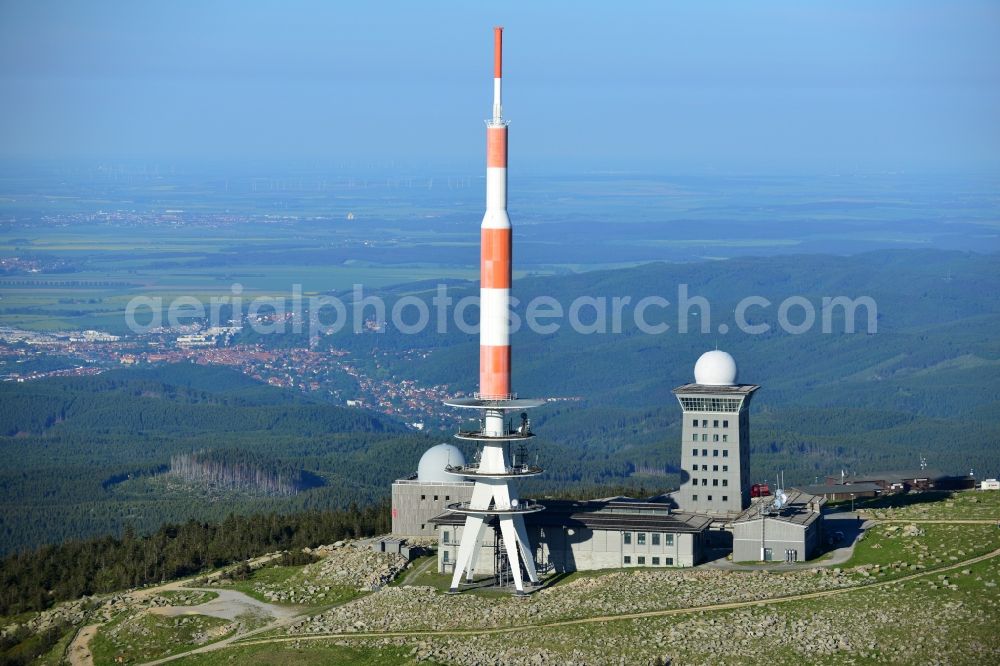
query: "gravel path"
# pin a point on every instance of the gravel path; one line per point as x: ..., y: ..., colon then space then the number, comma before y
x: 623, y: 616
x: 79, y: 653
x: 419, y: 570
x: 228, y: 605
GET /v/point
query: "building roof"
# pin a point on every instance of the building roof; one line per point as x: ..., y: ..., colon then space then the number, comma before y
x: 413, y: 480
x: 708, y: 389
x: 898, y: 476
x: 620, y: 513
x: 840, y: 488
x: 796, y: 510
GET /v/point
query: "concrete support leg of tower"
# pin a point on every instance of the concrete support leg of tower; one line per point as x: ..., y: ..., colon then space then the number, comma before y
x: 525, y: 546
x: 476, y: 551
x: 470, y: 542
x: 510, y: 541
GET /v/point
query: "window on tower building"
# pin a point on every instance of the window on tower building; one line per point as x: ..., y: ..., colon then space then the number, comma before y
x: 704, y: 482
x: 694, y: 498
x: 628, y: 559
x: 725, y: 468
x: 695, y: 423
x: 725, y: 424
x: 694, y: 452
x: 725, y: 438
x: 725, y: 498
x: 715, y: 452
x: 725, y: 482
x: 641, y: 537
x: 715, y: 468
x: 444, y: 556
x: 656, y: 538
x: 642, y: 559
x: 628, y: 537
x: 715, y: 423
x: 694, y: 482
x: 725, y: 453
x: 694, y: 437
x: 709, y: 498
x: 656, y: 561
x: 715, y: 438
x: 704, y: 468
x: 446, y: 537
x: 704, y: 452
x: 668, y: 539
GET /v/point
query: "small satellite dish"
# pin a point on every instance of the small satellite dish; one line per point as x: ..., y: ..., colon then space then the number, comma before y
x: 780, y: 498
x: 513, y: 503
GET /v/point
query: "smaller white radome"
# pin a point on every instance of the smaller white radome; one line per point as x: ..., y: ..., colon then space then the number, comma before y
x: 430, y: 469
x: 715, y: 368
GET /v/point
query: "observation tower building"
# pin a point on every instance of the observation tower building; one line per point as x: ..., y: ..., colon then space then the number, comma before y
x: 715, y: 439
x: 494, y: 498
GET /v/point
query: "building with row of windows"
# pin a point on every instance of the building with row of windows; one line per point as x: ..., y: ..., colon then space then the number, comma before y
x: 597, y: 534
x: 711, y: 507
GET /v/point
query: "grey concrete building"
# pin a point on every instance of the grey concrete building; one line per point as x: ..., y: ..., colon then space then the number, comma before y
x: 791, y: 533
x: 596, y: 534
x: 417, y: 499
x: 715, y: 444
x: 838, y: 492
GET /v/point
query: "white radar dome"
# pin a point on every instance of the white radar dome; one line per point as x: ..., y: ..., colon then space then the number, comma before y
x: 715, y: 368
x: 435, y: 459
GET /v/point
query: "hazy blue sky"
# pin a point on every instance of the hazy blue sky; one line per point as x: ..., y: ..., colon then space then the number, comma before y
x: 700, y: 85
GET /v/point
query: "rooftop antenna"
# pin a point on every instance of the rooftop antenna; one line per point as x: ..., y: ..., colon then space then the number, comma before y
x: 780, y: 498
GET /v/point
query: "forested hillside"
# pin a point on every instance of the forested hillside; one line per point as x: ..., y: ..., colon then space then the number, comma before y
x: 927, y: 382
x: 87, y: 455
x: 35, y: 580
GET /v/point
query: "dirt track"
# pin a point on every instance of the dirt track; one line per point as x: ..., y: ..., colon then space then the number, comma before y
x: 613, y: 618
x: 79, y: 650
x: 79, y: 653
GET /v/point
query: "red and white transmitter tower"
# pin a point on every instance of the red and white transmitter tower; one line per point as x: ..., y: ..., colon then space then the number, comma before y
x: 493, y: 497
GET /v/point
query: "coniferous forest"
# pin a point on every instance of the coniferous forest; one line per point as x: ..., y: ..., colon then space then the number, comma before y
x: 34, y: 580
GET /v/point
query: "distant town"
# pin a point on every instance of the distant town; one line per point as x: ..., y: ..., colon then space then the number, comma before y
x: 91, y: 352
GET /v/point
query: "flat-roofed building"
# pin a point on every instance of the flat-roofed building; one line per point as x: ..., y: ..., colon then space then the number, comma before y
x: 791, y: 533
x: 596, y: 534
x: 838, y: 492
